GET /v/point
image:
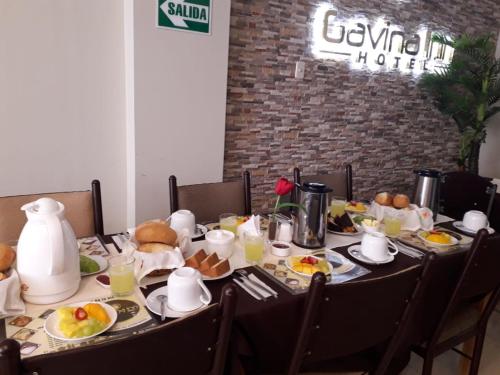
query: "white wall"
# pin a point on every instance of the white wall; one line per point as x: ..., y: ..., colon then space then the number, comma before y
x: 489, y: 157
x: 180, y: 105
x: 62, y: 99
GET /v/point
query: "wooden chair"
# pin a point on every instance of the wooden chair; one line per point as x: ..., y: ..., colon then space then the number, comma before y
x: 357, y: 326
x: 208, y: 201
x: 196, y: 344
x: 463, y: 191
x: 462, y: 319
x: 83, y: 210
x: 340, y: 182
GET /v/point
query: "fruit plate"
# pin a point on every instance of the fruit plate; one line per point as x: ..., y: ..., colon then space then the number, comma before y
x: 289, y: 264
x: 354, y: 209
x: 101, y: 261
x: 51, y: 325
x: 423, y: 234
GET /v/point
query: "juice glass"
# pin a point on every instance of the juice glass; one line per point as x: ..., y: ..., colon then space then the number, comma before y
x: 228, y: 222
x: 254, y: 247
x: 121, y: 275
x: 392, y: 225
x: 337, y: 207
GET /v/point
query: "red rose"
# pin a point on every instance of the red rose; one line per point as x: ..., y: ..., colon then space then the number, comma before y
x: 283, y: 186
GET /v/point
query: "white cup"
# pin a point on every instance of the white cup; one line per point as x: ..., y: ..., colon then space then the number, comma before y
x: 375, y: 246
x: 220, y: 241
x: 186, y: 291
x: 475, y: 220
x: 183, y: 219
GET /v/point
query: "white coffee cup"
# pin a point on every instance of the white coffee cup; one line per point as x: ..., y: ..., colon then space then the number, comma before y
x: 375, y: 246
x: 475, y: 220
x: 183, y: 219
x: 186, y: 290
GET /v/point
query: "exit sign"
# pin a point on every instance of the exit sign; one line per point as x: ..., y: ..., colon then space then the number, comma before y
x: 186, y: 15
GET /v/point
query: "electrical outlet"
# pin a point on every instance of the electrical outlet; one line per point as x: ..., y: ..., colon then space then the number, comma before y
x: 300, y: 68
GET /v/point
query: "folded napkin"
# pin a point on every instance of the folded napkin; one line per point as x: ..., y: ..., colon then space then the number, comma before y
x: 146, y: 263
x: 251, y: 226
x: 10, y: 295
x: 412, y: 218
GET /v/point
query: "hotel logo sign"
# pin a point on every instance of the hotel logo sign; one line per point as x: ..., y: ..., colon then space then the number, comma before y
x: 377, y: 46
x: 185, y: 15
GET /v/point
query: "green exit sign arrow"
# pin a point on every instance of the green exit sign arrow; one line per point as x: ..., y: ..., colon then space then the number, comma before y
x: 186, y: 15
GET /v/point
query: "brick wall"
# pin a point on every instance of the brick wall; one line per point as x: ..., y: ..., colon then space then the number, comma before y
x: 380, y: 122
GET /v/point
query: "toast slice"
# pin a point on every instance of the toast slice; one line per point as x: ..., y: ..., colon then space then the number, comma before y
x: 208, y: 262
x: 218, y: 269
x: 196, y: 259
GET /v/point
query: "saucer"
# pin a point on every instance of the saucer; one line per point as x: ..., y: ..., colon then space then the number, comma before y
x: 200, y: 230
x: 460, y: 226
x: 153, y: 305
x: 355, y: 252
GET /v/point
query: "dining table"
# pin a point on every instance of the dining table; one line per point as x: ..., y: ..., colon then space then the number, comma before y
x: 264, y: 330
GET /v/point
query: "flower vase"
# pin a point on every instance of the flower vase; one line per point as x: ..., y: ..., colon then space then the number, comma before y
x: 272, y: 230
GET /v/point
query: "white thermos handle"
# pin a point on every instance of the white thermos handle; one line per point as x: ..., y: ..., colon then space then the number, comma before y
x: 56, y: 245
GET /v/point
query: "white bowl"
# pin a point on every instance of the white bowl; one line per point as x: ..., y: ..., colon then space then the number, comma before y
x: 220, y: 241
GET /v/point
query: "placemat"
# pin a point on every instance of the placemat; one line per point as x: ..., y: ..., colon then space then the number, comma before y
x: 276, y: 268
x: 411, y: 239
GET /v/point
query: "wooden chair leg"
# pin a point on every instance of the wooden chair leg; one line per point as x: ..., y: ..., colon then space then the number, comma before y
x: 478, y: 350
x: 428, y: 362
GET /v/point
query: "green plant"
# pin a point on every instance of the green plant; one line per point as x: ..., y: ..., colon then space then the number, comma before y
x: 466, y: 89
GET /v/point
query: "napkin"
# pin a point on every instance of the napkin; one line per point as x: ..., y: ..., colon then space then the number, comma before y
x: 10, y: 295
x: 412, y: 218
x: 251, y: 226
x: 148, y: 262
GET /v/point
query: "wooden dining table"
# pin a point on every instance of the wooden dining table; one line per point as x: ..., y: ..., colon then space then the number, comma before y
x: 264, y: 331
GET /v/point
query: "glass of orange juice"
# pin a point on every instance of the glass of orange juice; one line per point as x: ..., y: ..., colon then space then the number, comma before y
x: 337, y: 207
x: 254, y: 247
x: 228, y: 222
x: 392, y: 225
x: 121, y: 275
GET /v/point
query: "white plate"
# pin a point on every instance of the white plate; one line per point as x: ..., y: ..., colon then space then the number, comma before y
x: 355, y: 252
x: 200, y: 230
x: 208, y: 278
x: 454, y: 241
x: 154, y: 306
x: 460, y: 225
x: 101, y: 261
x: 359, y: 229
x: 289, y: 266
x: 51, y: 325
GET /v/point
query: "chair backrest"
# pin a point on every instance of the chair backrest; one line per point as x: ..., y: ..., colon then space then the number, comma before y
x: 196, y: 344
x: 464, y: 191
x: 344, y: 319
x: 339, y: 181
x: 208, y: 201
x: 83, y: 210
x: 479, y: 278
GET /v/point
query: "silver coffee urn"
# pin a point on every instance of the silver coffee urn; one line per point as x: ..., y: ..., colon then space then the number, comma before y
x: 309, y: 226
x: 427, y: 186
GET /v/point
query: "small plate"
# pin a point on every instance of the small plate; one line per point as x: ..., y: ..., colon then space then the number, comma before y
x: 358, y: 228
x: 355, y: 252
x: 154, y: 306
x: 101, y: 261
x: 200, y: 230
x: 51, y: 325
x: 454, y: 240
x: 354, y: 210
x: 345, y: 264
x: 289, y: 265
x: 459, y: 225
x: 208, y: 278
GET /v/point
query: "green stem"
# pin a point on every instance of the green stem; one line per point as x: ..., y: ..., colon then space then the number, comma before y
x: 276, y: 205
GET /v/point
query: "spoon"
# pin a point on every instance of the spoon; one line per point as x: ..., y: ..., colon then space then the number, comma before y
x: 163, y: 300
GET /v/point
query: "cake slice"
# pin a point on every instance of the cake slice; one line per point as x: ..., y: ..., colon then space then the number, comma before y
x: 208, y: 262
x: 195, y: 259
x: 218, y: 269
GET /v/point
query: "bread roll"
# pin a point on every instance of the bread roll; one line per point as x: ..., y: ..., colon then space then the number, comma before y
x: 401, y: 201
x: 155, y: 231
x: 7, y: 256
x: 154, y: 247
x: 384, y: 199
